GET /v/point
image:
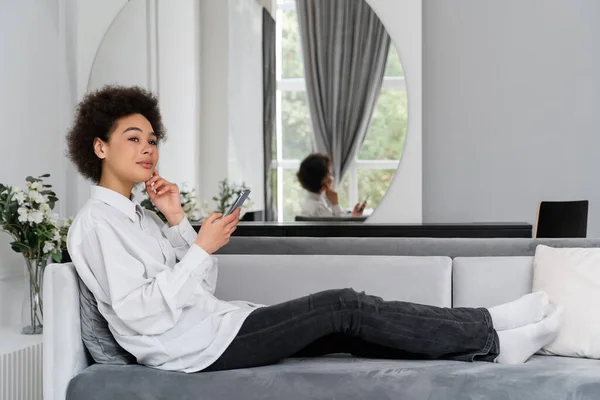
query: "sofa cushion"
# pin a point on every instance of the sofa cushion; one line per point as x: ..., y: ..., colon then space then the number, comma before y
x: 344, y: 377
x: 571, y: 277
x: 489, y: 281
x: 270, y: 279
x: 96, y: 334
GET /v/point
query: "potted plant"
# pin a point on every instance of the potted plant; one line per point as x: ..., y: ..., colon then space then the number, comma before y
x: 227, y: 195
x: 26, y: 214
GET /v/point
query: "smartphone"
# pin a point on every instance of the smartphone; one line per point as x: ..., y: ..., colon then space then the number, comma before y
x: 239, y: 201
x: 364, y: 203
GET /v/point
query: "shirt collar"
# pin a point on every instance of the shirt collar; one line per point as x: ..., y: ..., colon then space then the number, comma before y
x: 117, y: 200
x: 314, y: 196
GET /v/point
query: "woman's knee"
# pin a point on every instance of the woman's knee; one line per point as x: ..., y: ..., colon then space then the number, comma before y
x: 339, y: 299
x: 350, y: 298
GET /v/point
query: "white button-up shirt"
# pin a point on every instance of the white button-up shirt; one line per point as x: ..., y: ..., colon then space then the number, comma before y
x: 152, y: 283
x: 315, y: 205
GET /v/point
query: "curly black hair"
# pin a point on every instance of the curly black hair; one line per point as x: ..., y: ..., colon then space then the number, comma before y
x: 313, y: 169
x: 96, y: 117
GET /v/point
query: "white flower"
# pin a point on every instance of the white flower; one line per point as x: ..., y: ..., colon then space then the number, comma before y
x: 56, y: 236
x: 37, y: 197
x: 20, y: 197
x: 65, y: 223
x: 45, y: 207
x: 35, y: 186
x: 48, y: 247
x: 35, y: 216
x: 196, y: 215
x: 17, y: 189
x: 22, y: 211
x: 53, y: 218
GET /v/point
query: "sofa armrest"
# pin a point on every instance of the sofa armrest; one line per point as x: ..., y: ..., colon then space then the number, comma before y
x: 64, y: 353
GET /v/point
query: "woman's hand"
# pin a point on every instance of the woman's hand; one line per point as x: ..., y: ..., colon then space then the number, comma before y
x: 358, y: 210
x: 165, y: 196
x: 331, y: 194
x: 215, y: 233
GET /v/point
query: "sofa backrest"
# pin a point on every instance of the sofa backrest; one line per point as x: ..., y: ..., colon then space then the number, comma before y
x: 269, y: 279
x: 489, y: 281
x: 401, y: 246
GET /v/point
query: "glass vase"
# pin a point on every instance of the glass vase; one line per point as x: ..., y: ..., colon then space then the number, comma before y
x: 32, y: 314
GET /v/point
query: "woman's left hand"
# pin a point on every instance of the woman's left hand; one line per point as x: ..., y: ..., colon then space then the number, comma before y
x: 165, y: 196
x: 358, y: 210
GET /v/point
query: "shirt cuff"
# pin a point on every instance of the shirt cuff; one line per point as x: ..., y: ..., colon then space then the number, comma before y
x: 337, y: 210
x: 200, y: 259
x: 180, y: 235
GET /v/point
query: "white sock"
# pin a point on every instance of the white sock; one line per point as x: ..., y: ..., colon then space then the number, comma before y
x: 526, y: 310
x: 517, y: 345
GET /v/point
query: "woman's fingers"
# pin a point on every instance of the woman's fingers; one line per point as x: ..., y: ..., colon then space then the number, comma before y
x: 154, y: 178
x: 157, y: 185
x: 212, y: 218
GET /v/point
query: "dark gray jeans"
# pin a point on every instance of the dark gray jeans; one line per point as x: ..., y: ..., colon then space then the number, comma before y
x: 344, y: 321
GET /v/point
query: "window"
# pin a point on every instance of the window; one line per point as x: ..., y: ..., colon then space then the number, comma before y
x: 373, y: 168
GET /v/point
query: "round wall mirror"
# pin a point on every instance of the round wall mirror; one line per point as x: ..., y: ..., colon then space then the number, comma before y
x: 248, y: 92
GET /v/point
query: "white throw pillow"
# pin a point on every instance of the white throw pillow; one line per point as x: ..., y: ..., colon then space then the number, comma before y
x: 571, y: 277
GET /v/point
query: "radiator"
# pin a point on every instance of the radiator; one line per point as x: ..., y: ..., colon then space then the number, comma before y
x: 21, y: 374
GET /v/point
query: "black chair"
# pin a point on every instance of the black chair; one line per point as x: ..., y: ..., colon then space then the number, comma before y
x: 562, y: 219
x: 253, y: 216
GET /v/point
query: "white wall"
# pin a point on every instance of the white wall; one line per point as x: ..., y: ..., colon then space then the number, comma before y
x: 30, y: 112
x: 403, y: 200
x: 511, y: 108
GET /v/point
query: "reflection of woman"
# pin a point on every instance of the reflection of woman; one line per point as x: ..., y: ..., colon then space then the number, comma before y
x: 316, y: 178
x: 154, y: 283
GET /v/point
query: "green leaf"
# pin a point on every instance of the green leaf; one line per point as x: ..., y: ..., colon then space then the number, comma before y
x: 19, y: 247
x: 57, y: 255
x: 45, y: 176
x: 12, y: 208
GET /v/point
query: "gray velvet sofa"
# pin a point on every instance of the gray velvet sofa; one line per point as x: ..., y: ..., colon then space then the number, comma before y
x: 442, y: 272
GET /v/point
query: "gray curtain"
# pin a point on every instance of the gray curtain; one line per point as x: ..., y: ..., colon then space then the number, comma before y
x: 345, y: 48
x: 269, y: 82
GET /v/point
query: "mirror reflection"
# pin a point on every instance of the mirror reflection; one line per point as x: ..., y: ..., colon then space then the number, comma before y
x: 304, y: 102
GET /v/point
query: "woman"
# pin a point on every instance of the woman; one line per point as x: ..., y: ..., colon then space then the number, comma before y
x: 316, y: 177
x: 154, y: 283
